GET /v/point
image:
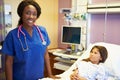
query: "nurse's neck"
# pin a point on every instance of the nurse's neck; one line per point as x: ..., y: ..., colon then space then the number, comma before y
x: 29, y: 29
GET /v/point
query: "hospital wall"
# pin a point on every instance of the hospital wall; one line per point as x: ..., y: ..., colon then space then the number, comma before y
x: 61, y: 21
x: 99, y: 30
x: 1, y: 21
x: 104, y: 31
x: 15, y: 18
x: 49, y: 19
x: 110, y: 33
x: 53, y: 20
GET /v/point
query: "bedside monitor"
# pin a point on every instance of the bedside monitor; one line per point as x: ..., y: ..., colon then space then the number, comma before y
x: 71, y: 34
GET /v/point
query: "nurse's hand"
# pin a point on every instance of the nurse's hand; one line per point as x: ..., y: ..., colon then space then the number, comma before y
x: 54, y: 77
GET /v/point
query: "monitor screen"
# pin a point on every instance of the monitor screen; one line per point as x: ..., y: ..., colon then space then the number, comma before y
x: 71, y: 35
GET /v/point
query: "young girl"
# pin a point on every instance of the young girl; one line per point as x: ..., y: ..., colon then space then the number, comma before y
x: 91, y: 68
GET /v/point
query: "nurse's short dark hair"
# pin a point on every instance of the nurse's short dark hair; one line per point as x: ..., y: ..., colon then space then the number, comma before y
x: 25, y: 3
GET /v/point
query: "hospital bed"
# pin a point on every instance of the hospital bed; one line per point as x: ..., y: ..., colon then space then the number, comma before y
x: 112, y: 63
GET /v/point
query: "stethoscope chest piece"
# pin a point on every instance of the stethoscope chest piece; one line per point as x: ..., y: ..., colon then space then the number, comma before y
x: 44, y: 42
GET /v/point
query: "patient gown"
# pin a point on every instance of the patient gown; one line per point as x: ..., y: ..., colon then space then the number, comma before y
x: 91, y: 71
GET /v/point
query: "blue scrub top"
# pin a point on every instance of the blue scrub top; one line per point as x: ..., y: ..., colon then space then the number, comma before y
x: 27, y: 65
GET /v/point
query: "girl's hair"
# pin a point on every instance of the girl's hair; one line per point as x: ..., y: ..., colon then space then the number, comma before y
x: 103, y: 53
x: 25, y: 3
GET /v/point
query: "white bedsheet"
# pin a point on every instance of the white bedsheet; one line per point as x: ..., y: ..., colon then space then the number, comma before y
x: 112, y: 63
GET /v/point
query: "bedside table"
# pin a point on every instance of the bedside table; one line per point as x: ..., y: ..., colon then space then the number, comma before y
x: 52, y: 61
x: 59, y: 61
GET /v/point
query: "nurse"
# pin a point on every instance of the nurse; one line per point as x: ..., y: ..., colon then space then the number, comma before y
x: 25, y: 47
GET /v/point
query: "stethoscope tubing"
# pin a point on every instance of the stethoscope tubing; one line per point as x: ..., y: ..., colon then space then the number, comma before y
x: 40, y: 33
x: 18, y: 35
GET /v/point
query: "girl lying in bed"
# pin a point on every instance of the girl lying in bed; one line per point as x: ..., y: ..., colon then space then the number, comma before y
x: 91, y: 68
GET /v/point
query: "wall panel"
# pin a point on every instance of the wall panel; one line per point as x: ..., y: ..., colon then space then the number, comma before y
x: 105, y: 31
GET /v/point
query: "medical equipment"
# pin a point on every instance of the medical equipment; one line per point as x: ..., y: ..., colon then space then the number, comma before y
x: 40, y: 34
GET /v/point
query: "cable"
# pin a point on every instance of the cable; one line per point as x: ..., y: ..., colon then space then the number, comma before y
x: 105, y: 26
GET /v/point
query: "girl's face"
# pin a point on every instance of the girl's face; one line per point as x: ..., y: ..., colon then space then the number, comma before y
x: 95, y: 57
x: 29, y: 16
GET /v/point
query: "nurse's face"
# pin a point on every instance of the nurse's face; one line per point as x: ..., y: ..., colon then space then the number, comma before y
x: 95, y: 56
x: 29, y: 16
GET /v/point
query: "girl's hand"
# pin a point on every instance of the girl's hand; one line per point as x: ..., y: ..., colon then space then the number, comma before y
x: 76, y: 76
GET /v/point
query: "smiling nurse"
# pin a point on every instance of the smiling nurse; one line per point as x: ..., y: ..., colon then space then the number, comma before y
x: 25, y: 47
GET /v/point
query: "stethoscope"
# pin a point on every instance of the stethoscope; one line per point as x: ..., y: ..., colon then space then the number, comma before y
x: 18, y: 34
